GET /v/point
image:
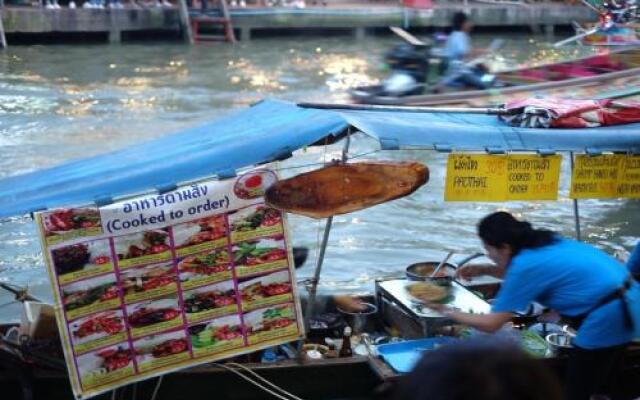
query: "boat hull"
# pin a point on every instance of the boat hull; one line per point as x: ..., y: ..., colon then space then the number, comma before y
x: 610, y: 75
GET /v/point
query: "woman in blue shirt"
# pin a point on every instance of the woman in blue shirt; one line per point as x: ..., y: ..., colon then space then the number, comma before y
x: 582, y: 283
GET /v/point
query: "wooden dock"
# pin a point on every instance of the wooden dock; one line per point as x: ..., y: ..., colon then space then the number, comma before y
x: 352, y: 18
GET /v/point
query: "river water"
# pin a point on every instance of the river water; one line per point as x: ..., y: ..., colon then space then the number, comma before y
x: 59, y: 103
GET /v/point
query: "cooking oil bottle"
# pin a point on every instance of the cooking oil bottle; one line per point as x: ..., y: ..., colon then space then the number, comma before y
x: 345, y: 350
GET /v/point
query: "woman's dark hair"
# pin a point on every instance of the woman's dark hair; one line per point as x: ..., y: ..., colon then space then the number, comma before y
x: 479, y: 370
x: 459, y: 18
x: 502, y: 228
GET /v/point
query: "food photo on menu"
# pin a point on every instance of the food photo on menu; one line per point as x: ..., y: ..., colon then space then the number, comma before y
x: 265, y: 290
x: 209, y: 301
x: 267, y: 323
x: 219, y: 334
x: 202, y: 233
x: 260, y: 255
x: 255, y: 221
x: 97, y: 326
x: 142, y: 246
x: 80, y: 260
x: 253, y: 184
x: 204, y: 267
x: 105, y: 365
x: 149, y: 280
x: 153, y: 316
x: 90, y: 295
x: 63, y: 221
x: 162, y: 349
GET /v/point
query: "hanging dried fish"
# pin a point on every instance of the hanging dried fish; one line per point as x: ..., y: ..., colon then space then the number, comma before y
x: 344, y: 188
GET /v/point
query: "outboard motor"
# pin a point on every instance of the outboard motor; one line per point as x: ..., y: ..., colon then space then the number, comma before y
x: 409, y: 70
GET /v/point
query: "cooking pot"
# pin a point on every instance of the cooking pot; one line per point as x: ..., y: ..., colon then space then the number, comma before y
x: 559, y: 342
x: 361, y: 321
x: 422, y: 271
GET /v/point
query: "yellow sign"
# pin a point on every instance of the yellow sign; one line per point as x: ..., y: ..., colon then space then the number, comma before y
x: 629, y: 179
x: 605, y: 177
x: 472, y: 177
x: 595, y: 177
x: 531, y: 177
x: 483, y: 177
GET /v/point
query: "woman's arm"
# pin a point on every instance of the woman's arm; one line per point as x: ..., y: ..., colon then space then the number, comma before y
x: 469, y: 271
x: 483, y: 322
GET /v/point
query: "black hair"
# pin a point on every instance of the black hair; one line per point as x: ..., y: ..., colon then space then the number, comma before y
x: 501, y: 228
x: 459, y: 18
x: 479, y: 369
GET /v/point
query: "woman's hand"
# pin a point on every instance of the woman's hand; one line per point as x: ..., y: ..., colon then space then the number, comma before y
x: 349, y: 303
x: 441, y: 308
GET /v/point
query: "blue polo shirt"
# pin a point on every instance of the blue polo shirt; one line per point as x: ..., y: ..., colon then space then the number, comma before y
x: 571, y: 277
x: 633, y: 264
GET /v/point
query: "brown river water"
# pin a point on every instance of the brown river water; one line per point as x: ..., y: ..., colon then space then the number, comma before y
x: 59, y: 103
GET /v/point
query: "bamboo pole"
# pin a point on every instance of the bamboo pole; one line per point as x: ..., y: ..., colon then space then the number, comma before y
x: 185, y: 21
x: 408, y: 109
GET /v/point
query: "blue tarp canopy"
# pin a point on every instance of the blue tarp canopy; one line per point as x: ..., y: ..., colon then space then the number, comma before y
x: 446, y: 132
x: 272, y: 130
x: 265, y: 132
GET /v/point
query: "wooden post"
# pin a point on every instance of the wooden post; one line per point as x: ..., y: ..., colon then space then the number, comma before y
x: 229, y: 33
x: 185, y: 21
x: 3, y: 38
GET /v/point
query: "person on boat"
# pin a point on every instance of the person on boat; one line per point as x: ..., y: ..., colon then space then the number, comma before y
x: 479, y: 369
x: 590, y: 289
x: 633, y: 263
x: 458, y: 52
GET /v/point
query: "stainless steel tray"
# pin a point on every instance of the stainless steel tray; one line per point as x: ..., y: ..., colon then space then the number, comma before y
x: 413, y: 320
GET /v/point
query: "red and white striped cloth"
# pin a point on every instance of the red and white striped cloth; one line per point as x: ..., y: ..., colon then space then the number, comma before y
x: 564, y: 113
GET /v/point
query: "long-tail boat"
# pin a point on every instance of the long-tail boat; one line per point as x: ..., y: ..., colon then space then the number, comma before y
x: 612, y: 74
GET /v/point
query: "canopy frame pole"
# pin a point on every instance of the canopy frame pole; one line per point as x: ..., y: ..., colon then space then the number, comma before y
x: 323, y: 247
x: 576, y: 211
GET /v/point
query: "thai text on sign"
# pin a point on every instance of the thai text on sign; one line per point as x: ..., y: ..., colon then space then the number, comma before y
x: 605, y: 176
x: 484, y: 177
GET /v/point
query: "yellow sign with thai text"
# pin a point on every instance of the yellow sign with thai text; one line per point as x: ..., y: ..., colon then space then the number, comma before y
x: 629, y: 179
x: 476, y: 177
x: 484, y: 177
x: 596, y: 177
x: 533, y: 177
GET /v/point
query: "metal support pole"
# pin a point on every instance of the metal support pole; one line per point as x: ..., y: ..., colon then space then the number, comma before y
x: 323, y: 247
x: 311, y: 301
x: 576, y: 211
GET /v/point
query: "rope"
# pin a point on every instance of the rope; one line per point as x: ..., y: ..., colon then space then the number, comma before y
x: 271, y: 384
x: 157, y: 388
x: 8, y: 304
x: 271, y: 392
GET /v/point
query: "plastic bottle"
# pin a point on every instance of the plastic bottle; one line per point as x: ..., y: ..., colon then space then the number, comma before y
x: 345, y: 350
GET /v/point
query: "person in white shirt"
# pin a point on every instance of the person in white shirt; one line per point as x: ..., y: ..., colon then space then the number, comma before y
x: 458, y: 51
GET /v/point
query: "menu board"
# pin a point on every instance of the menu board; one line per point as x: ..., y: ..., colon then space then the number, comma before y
x: 605, y: 176
x: 484, y: 177
x: 157, y: 283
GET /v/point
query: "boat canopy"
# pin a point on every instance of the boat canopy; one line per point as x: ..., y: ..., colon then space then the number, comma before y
x: 271, y: 130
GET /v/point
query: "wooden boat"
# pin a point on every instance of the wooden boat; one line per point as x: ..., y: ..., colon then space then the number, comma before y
x: 614, y: 74
x: 625, y: 35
